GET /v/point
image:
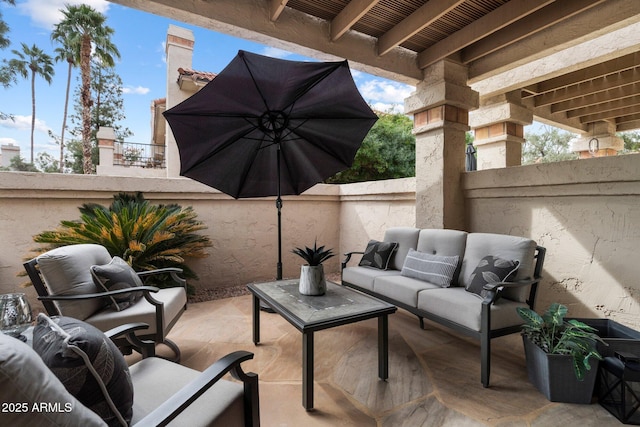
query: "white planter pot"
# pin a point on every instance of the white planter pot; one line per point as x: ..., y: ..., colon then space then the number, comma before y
x: 312, y: 281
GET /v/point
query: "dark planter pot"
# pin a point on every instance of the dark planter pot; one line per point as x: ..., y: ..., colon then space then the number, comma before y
x: 553, y: 376
x: 617, y: 336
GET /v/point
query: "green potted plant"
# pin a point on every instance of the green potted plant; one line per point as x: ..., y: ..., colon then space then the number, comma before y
x: 312, y: 281
x: 558, y: 354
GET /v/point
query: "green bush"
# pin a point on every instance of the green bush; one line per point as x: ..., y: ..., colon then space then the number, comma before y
x: 147, y: 236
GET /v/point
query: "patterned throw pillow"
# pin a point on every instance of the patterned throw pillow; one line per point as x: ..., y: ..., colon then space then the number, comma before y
x: 117, y: 275
x: 88, y: 364
x: 491, y: 270
x: 435, y: 269
x: 378, y: 254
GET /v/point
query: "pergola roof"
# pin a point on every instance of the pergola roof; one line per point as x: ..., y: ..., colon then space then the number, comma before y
x: 576, y: 62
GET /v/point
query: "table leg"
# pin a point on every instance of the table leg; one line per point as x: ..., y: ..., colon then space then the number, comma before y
x: 307, y: 370
x: 383, y: 347
x: 256, y: 320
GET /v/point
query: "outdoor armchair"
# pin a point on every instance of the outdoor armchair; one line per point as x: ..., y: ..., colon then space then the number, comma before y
x: 36, y: 391
x: 85, y: 282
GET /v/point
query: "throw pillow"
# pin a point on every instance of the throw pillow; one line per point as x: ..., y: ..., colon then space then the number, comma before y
x: 435, y: 269
x: 88, y: 364
x: 491, y: 270
x: 117, y: 275
x: 378, y: 254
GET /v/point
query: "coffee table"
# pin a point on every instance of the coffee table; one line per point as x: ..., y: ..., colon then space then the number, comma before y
x: 308, y: 314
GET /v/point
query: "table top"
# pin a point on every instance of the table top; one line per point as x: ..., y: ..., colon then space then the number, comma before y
x: 338, y: 306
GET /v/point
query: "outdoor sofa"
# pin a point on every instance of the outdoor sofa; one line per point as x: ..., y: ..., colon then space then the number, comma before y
x: 469, y: 282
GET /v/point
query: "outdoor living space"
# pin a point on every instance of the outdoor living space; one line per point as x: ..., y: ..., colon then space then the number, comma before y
x: 433, y: 373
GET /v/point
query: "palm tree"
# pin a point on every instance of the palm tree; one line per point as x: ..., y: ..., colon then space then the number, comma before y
x: 68, y: 51
x: 86, y: 31
x: 34, y: 59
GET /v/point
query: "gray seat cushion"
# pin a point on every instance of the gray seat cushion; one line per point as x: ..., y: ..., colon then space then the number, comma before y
x: 65, y: 271
x: 221, y: 405
x: 464, y: 308
x: 173, y: 299
x: 521, y: 249
x: 363, y: 276
x: 402, y: 289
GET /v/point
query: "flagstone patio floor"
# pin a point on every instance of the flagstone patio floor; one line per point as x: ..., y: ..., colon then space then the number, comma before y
x: 434, y: 374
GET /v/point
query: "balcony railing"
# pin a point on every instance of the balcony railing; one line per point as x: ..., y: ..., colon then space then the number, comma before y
x: 139, y: 155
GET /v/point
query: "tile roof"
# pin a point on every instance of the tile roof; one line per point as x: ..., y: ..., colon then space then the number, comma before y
x: 196, y: 76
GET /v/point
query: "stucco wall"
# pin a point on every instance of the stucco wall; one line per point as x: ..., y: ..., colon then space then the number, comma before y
x: 585, y: 212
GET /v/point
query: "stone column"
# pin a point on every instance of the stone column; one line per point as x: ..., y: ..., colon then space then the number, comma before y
x: 440, y: 107
x: 499, y: 130
x: 8, y: 152
x: 601, y: 141
x: 180, y: 43
x: 106, y: 137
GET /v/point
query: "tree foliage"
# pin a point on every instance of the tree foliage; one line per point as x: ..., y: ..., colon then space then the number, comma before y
x: 631, y: 141
x: 388, y: 151
x: 86, y: 31
x: 552, y: 145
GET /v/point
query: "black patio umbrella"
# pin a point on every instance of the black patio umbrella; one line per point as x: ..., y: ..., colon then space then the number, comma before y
x: 271, y: 127
x: 471, y: 163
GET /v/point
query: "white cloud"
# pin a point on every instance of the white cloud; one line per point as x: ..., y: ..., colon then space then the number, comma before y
x: 274, y: 52
x: 139, y: 90
x: 24, y: 123
x: 8, y: 141
x: 388, y: 108
x: 46, y: 13
x: 385, y: 92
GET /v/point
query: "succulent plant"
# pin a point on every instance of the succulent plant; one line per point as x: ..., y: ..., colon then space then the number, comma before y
x: 314, y: 256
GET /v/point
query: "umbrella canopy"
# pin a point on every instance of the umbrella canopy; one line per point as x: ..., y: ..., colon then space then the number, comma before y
x: 231, y: 133
x: 471, y: 163
x: 271, y: 127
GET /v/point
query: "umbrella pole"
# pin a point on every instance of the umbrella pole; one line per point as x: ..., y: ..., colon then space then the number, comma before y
x: 279, y: 206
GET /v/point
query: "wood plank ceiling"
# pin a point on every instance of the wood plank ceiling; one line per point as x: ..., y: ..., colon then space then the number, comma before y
x: 400, y: 38
x: 470, y: 30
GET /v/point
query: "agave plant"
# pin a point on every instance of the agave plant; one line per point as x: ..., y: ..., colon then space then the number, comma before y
x: 314, y: 256
x: 147, y: 236
x: 553, y: 334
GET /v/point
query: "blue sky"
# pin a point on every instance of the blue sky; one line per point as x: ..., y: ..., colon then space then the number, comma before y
x: 140, y: 37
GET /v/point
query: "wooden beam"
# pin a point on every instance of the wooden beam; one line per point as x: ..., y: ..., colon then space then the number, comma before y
x: 351, y: 13
x: 597, y: 98
x: 275, y: 8
x: 603, y: 107
x: 608, y: 115
x: 490, y: 23
x: 630, y: 123
x: 582, y: 89
x: 424, y: 16
x: 616, y: 65
x: 534, y: 23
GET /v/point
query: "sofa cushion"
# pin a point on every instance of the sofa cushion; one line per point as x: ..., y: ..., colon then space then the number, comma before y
x: 491, y: 270
x: 378, y: 254
x: 26, y: 381
x: 444, y: 243
x: 88, y: 364
x: 363, y: 277
x: 401, y: 288
x: 65, y: 271
x: 464, y: 308
x: 435, y: 269
x: 117, y: 274
x: 502, y: 246
x: 406, y: 237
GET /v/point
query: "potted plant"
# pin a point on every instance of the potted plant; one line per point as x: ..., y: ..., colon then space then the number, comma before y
x: 312, y: 281
x: 558, y: 354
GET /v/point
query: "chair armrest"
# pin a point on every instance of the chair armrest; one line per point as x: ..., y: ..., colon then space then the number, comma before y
x: 173, y: 272
x: 180, y: 401
x: 495, y: 289
x: 348, y: 257
x: 144, y: 289
x: 146, y: 348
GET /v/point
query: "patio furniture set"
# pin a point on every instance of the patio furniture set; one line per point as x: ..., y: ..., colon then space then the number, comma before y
x: 470, y: 282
